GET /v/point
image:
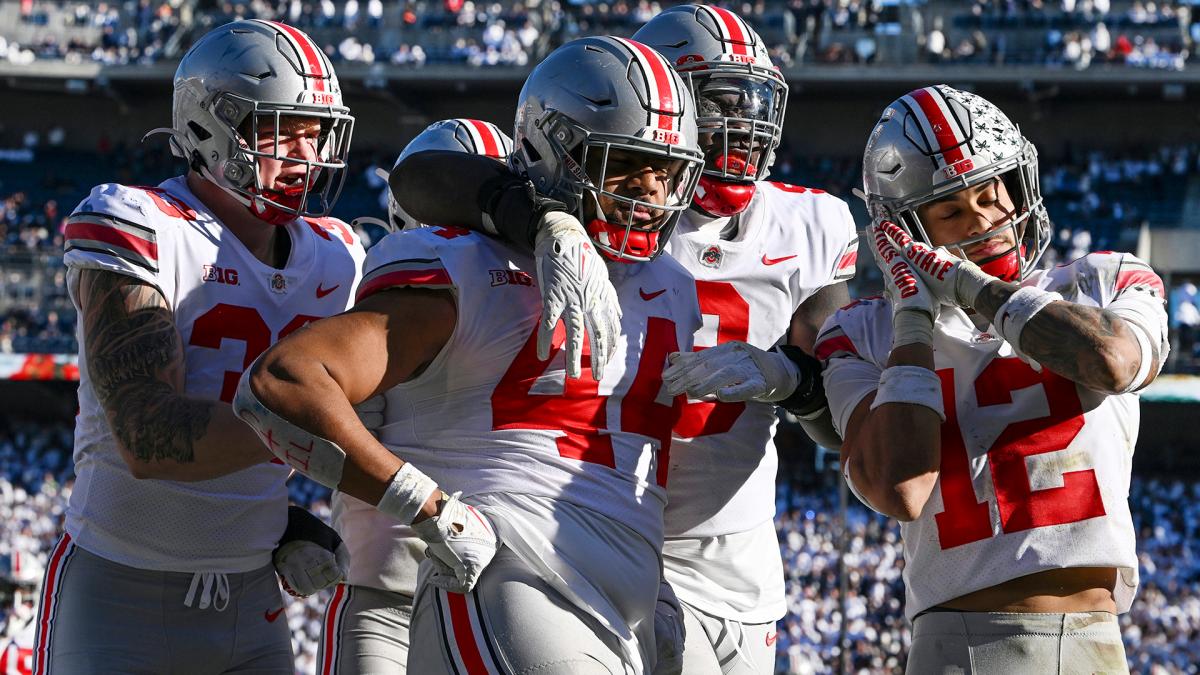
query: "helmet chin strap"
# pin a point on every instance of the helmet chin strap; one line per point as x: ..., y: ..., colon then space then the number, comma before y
x: 722, y: 198
x: 628, y: 241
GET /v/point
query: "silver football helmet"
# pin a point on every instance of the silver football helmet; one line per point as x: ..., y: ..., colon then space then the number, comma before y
x: 937, y: 140
x: 740, y: 97
x: 243, y: 77
x: 474, y: 137
x: 596, y: 104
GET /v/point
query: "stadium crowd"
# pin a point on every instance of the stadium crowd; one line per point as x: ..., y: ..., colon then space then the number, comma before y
x: 1162, y: 631
x: 1071, y: 33
x: 1097, y: 200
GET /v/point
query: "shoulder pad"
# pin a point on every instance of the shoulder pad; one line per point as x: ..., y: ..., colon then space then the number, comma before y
x: 412, y: 258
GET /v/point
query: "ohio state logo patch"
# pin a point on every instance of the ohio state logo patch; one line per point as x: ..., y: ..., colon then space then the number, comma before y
x: 711, y: 256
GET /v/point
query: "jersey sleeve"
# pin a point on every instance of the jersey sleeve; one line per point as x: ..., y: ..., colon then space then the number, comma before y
x: 408, y: 258
x: 851, y: 370
x: 1135, y: 293
x: 847, y: 233
x: 116, y: 229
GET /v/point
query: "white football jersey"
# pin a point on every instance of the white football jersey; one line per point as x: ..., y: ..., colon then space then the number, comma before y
x: 1034, y: 468
x: 487, y: 416
x: 229, y: 307
x: 792, y: 242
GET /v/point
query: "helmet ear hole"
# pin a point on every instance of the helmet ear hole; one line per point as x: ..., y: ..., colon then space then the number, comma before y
x: 201, y: 133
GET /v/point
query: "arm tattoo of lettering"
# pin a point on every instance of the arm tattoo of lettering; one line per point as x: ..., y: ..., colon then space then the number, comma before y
x: 1070, y: 339
x: 135, y: 363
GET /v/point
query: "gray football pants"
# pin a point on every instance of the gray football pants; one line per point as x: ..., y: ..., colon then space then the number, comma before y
x: 512, y: 623
x: 995, y: 643
x: 716, y: 646
x: 365, y: 631
x: 97, y: 616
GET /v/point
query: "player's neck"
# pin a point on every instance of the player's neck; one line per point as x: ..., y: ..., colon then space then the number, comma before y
x: 262, y: 239
x: 711, y: 228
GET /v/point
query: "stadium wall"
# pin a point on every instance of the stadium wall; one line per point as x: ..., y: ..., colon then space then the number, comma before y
x: 824, y: 118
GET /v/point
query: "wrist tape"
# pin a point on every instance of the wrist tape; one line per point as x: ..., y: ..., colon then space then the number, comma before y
x: 911, y: 326
x: 1021, y: 306
x: 406, y: 494
x: 1147, y: 357
x: 910, y: 384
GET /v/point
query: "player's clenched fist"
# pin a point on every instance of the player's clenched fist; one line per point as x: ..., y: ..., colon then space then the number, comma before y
x: 311, y: 556
x: 461, y: 542
x: 914, y: 307
x: 953, y: 280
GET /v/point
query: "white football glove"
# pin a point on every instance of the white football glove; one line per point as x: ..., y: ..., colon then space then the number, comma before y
x: 575, y: 287
x: 914, y: 306
x: 461, y: 544
x: 311, y: 556
x: 668, y: 632
x: 733, y: 371
x: 953, y: 280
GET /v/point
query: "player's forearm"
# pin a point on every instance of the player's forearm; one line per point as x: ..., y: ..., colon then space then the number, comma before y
x: 1088, y: 345
x: 821, y: 430
x: 297, y: 387
x: 166, y: 436
x: 897, y: 449
x: 488, y: 197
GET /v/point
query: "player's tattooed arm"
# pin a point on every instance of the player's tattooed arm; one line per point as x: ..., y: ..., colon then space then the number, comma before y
x: 1088, y: 345
x: 135, y: 364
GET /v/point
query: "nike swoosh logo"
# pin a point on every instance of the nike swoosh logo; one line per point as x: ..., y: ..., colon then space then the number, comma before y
x: 322, y: 292
x: 776, y: 261
x: 772, y: 638
x: 271, y: 616
x: 650, y: 296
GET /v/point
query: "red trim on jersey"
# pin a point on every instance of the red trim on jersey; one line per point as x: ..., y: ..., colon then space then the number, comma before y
x: 942, y: 127
x: 331, y: 628
x: 736, y: 35
x: 1143, y: 277
x: 661, y: 82
x: 53, y: 577
x: 316, y: 71
x: 830, y: 346
x: 464, y: 637
x: 848, y: 260
x: 437, y: 277
x: 491, y: 144
x: 82, y: 229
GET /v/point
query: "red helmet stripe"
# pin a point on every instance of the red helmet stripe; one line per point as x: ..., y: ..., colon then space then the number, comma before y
x: 658, y: 80
x: 308, y: 50
x: 738, y: 35
x: 944, y: 129
x: 489, y: 141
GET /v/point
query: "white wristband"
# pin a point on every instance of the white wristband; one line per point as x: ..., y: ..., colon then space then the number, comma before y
x: 406, y: 494
x: 1021, y: 306
x: 910, y: 384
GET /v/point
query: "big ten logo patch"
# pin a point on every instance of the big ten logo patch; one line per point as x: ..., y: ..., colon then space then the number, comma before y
x: 510, y: 278
x: 219, y: 275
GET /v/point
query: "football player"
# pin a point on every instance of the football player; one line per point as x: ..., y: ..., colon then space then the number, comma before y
x: 770, y: 262
x: 546, y: 556
x: 989, y: 405
x: 166, y: 563
x: 20, y: 579
x: 366, y: 623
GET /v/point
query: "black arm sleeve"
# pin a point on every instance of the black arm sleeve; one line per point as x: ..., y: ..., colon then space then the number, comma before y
x: 439, y: 187
x: 809, y: 396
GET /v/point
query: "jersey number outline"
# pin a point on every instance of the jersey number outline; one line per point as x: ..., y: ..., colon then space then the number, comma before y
x: 964, y: 518
x: 241, y: 324
x: 579, y: 411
